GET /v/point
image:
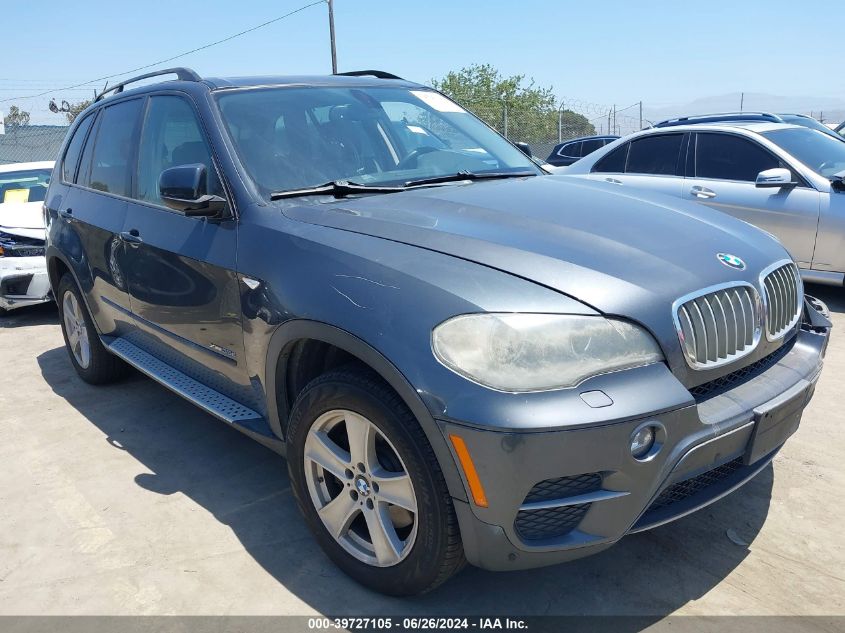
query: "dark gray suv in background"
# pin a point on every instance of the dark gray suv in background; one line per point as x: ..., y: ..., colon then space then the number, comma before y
x: 462, y: 358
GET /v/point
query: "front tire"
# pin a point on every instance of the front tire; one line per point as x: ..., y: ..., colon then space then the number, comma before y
x: 369, y: 485
x: 89, y: 357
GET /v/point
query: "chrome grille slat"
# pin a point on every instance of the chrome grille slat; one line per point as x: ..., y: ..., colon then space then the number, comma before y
x: 783, y: 295
x: 719, y: 325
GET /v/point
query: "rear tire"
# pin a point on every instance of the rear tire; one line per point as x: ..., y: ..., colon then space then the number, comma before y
x: 352, y: 497
x: 89, y: 357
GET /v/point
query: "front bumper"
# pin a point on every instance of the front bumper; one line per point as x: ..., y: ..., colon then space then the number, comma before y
x: 559, y: 495
x: 23, y: 281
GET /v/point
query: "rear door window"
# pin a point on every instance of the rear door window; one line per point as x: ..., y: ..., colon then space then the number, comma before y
x: 614, y: 162
x: 655, y: 155
x: 110, y: 169
x: 588, y: 147
x: 730, y: 157
x: 74, y: 149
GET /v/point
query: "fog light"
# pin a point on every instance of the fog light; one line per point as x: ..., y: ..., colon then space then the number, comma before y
x: 642, y: 441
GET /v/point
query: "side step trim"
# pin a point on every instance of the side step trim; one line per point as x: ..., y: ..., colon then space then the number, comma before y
x: 201, y: 395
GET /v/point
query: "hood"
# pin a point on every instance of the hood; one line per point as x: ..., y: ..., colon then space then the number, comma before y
x: 625, y: 253
x: 23, y: 218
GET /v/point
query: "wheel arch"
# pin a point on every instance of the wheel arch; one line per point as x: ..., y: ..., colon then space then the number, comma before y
x: 283, y: 344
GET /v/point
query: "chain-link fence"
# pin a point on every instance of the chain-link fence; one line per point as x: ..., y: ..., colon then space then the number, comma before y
x: 543, y: 128
x: 29, y: 143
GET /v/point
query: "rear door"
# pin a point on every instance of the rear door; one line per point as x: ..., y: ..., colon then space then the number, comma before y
x: 182, y: 280
x: 92, y: 211
x: 725, y: 169
x: 653, y: 163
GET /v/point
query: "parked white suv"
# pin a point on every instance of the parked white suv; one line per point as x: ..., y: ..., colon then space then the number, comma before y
x: 23, y: 268
x: 785, y: 179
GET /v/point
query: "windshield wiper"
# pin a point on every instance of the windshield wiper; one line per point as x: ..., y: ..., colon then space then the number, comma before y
x: 468, y: 175
x: 336, y: 188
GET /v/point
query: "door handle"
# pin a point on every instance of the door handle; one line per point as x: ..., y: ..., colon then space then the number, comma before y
x: 67, y: 213
x: 131, y: 237
x: 702, y: 192
x: 613, y: 181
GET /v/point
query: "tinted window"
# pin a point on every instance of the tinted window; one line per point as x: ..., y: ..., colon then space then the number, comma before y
x: 728, y: 157
x: 614, y: 162
x: 588, y: 147
x: 657, y: 154
x: 113, y: 146
x: 74, y: 148
x: 573, y: 150
x: 171, y: 136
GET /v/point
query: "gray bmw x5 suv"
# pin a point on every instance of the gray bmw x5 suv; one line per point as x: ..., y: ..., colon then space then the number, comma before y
x: 463, y: 359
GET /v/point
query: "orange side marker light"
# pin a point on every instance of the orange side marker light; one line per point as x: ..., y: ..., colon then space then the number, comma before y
x: 474, y: 482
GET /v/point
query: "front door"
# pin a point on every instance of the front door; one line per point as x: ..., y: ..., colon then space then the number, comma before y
x: 726, y: 168
x: 182, y: 281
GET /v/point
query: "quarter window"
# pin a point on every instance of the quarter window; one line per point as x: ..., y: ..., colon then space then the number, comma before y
x: 74, y: 149
x: 171, y: 136
x: 657, y: 155
x: 110, y: 168
x: 728, y: 157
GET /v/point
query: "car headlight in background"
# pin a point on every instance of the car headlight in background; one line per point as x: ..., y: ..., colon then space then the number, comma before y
x: 539, y: 352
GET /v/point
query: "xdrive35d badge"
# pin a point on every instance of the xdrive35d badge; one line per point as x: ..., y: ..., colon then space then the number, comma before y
x: 731, y: 260
x: 462, y: 357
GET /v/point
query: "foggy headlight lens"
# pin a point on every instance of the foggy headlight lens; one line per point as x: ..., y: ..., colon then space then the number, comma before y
x: 537, y: 352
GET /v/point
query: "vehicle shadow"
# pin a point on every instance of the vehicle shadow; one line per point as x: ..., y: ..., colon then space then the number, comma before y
x: 41, y: 314
x: 246, y: 487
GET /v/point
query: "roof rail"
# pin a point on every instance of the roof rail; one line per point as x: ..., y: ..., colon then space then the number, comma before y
x: 721, y: 117
x: 183, y: 74
x: 379, y: 74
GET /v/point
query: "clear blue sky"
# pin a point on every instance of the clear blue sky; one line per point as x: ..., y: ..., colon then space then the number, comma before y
x: 602, y: 52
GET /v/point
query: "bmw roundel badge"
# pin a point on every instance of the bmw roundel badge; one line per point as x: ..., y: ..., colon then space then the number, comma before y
x: 731, y: 261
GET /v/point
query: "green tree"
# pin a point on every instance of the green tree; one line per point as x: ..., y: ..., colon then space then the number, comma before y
x: 515, y: 106
x: 75, y: 109
x: 16, y: 117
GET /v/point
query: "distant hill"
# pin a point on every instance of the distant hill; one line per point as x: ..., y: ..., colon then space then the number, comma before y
x: 830, y: 108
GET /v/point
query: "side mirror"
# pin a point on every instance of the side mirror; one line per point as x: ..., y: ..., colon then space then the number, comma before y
x: 525, y: 148
x: 184, y: 189
x: 778, y: 177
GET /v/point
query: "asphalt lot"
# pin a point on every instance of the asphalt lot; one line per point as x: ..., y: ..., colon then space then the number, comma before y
x: 127, y: 500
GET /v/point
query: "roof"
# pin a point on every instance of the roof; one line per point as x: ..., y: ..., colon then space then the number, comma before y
x: 302, y: 80
x: 751, y: 126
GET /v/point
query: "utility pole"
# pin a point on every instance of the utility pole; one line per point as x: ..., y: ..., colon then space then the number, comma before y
x: 331, y: 35
x: 741, y: 101
x: 614, y: 118
x: 641, y: 115
x: 560, y: 122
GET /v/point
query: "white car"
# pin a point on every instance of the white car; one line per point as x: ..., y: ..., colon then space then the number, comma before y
x: 786, y: 179
x: 23, y: 269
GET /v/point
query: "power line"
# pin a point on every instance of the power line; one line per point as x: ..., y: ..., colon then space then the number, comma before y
x: 170, y: 59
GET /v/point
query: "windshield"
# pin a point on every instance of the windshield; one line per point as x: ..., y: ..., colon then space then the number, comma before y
x: 26, y: 185
x: 822, y: 153
x: 806, y: 122
x: 293, y: 137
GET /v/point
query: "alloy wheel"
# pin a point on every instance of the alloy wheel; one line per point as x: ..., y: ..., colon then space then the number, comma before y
x: 360, y: 487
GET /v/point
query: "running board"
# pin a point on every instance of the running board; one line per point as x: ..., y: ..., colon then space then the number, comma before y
x: 204, y: 397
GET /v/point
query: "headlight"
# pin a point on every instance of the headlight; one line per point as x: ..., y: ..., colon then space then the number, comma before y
x: 537, y: 352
